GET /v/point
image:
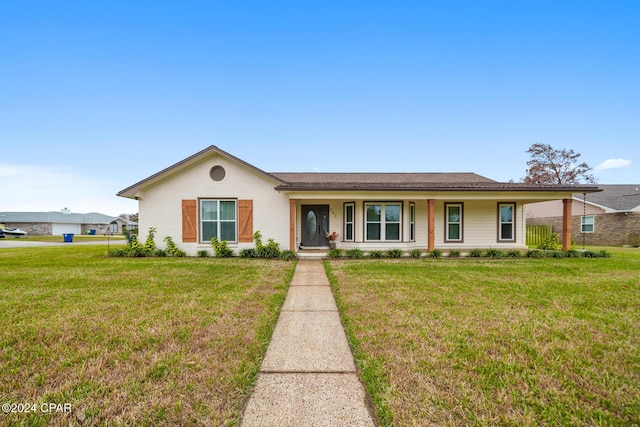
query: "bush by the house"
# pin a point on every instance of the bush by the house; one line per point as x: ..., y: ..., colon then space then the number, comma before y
x: 376, y: 254
x: 172, y: 249
x: 355, y: 253
x: 415, y: 253
x: 551, y: 243
x: 221, y: 248
x: 536, y: 253
x: 248, y: 253
x: 394, y: 253
x: 494, y: 253
x: 436, y: 253
x: 335, y: 253
x: 270, y: 250
x: 454, y: 253
x: 289, y: 255
x: 203, y: 253
x: 475, y: 253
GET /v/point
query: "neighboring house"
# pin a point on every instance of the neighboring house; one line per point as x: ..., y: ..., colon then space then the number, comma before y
x: 213, y: 193
x: 64, y: 222
x: 604, y: 218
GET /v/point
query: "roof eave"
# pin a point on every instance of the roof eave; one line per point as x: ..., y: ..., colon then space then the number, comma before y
x: 132, y: 191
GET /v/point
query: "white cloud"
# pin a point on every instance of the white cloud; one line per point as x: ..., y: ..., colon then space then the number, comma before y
x: 613, y: 164
x: 30, y: 188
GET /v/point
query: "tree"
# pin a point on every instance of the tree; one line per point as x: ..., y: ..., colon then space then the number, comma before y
x: 550, y: 166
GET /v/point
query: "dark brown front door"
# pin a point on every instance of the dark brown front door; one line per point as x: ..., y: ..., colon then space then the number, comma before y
x: 315, y: 225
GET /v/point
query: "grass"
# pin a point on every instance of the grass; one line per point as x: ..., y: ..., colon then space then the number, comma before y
x: 146, y: 341
x: 515, y: 342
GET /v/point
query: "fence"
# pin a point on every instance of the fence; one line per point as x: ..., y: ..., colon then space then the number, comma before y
x: 537, y: 234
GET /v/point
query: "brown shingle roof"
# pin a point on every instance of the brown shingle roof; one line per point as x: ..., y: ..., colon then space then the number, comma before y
x: 410, y: 181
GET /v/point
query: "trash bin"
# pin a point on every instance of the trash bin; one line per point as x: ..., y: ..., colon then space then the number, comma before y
x: 92, y: 232
x: 68, y: 237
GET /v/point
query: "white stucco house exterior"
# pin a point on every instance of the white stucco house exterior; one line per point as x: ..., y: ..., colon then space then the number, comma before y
x: 213, y: 193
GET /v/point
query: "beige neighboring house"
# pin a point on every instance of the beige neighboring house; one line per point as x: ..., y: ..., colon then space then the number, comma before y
x: 57, y: 223
x: 212, y: 193
x: 605, y: 218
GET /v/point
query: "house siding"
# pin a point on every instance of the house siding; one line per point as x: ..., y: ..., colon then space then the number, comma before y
x: 480, y: 225
x: 160, y: 204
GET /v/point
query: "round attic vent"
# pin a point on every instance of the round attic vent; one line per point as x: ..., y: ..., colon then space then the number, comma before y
x: 217, y: 173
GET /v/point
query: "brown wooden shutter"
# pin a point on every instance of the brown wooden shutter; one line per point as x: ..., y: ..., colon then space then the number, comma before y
x: 245, y: 220
x: 189, y: 220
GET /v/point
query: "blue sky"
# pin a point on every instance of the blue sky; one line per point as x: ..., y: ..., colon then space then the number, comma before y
x: 95, y: 96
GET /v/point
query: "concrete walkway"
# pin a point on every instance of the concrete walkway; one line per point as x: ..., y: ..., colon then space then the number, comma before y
x: 308, y: 376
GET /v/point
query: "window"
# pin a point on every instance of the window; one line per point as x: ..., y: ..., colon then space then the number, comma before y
x: 113, y: 228
x: 453, y: 219
x: 506, y: 221
x: 218, y: 219
x: 348, y: 221
x: 382, y: 221
x: 412, y: 222
x: 587, y: 222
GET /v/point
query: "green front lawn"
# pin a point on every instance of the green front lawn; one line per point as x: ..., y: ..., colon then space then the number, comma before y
x: 496, y: 342
x: 144, y: 341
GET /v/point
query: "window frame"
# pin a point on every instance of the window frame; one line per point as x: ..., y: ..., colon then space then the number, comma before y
x: 383, y: 221
x: 412, y: 222
x: 345, y: 235
x: 582, y: 223
x: 460, y: 223
x: 512, y: 222
x: 219, y: 221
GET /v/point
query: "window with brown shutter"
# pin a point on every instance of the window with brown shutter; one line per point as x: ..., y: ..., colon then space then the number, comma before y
x: 245, y: 220
x: 189, y: 221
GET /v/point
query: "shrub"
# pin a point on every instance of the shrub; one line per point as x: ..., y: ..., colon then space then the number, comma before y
x: 376, y: 254
x: 494, y: 253
x: 633, y: 239
x: 335, y: 253
x: 221, y: 248
x: 572, y: 253
x: 556, y: 254
x: 551, y: 243
x: 436, y: 253
x: 355, y: 253
x: 150, y: 244
x: 415, y: 253
x: 172, y: 249
x: 394, y: 253
x: 203, y: 253
x: 475, y: 253
x: 248, y: 253
x: 270, y: 250
x: 454, y: 253
x: 513, y: 253
x: 289, y: 255
x: 160, y: 253
x: 536, y: 253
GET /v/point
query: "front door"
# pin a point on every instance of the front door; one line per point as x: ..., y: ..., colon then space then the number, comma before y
x: 315, y: 225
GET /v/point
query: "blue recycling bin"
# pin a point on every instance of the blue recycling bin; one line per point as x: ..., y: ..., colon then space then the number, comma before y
x: 92, y: 232
x: 68, y: 238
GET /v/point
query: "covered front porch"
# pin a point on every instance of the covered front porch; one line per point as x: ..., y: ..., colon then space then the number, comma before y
x: 385, y: 221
